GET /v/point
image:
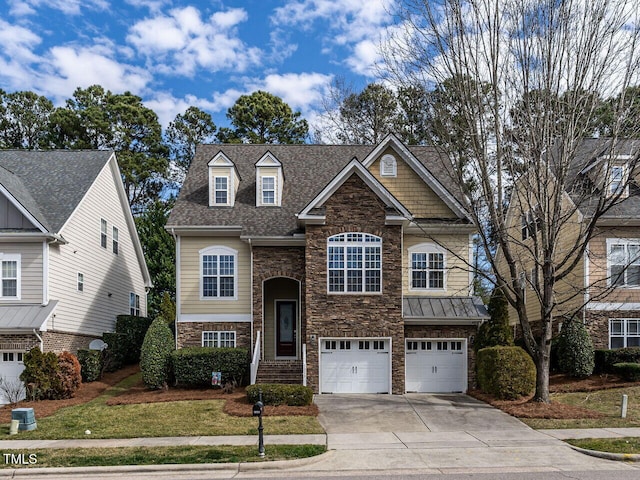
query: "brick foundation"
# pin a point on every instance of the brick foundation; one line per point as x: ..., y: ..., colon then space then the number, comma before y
x: 190, y: 333
x: 70, y: 342
x: 21, y: 342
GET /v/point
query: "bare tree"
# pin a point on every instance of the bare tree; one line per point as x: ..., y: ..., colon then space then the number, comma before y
x: 525, y: 74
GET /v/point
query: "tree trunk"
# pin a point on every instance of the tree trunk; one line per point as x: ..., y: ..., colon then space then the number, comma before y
x: 542, y: 373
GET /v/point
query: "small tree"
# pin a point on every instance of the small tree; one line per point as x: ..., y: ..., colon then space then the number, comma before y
x: 576, y: 357
x: 495, y: 332
x: 40, y: 373
x: 156, y: 350
x: 69, y: 376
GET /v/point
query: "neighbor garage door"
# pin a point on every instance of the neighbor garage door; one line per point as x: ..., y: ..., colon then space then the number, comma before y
x: 355, y: 365
x: 436, y: 366
x: 11, y: 367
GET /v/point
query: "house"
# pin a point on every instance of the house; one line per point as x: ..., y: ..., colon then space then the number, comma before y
x: 603, y: 290
x: 71, y: 257
x: 343, y: 267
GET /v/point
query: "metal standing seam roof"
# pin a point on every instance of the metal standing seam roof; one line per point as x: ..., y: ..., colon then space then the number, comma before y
x: 444, y: 308
x: 26, y: 317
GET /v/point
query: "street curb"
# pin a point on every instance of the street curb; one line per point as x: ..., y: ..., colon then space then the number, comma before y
x: 171, y: 467
x: 620, y: 457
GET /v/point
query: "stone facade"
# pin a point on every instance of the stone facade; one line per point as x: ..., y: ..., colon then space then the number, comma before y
x: 60, y: 341
x: 597, y: 323
x: 190, y: 333
x: 354, y: 208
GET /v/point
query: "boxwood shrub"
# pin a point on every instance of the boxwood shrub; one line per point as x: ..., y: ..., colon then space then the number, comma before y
x: 575, y: 350
x: 91, y: 362
x: 133, y: 330
x: 114, y: 354
x: 628, y: 371
x: 155, y: 359
x: 606, y: 359
x: 192, y: 366
x: 280, y: 394
x: 506, y: 372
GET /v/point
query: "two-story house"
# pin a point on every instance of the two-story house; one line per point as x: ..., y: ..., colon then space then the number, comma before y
x: 71, y: 260
x: 346, y: 265
x: 603, y: 290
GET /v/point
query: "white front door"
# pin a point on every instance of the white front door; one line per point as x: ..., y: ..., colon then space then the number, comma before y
x: 355, y: 365
x: 11, y: 367
x: 436, y: 365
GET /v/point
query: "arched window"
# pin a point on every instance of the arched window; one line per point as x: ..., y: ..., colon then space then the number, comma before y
x: 354, y: 262
x: 427, y: 263
x: 218, y: 273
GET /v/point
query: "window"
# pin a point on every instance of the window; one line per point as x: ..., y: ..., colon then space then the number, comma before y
x: 354, y: 263
x: 218, y: 272
x: 617, y: 179
x: 134, y: 304
x: 12, y: 356
x: 10, y: 276
x: 115, y: 240
x: 219, y: 339
x: 80, y: 282
x: 427, y: 267
x: 103, y: 233
x: 624, y: 262
x: 221, y: 190
x: 268, y: 190
x: 531, y: 222
x: 624, y: 332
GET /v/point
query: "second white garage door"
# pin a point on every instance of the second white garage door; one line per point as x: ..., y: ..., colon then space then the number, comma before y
x: 357, y: 365
x: 436, y: 365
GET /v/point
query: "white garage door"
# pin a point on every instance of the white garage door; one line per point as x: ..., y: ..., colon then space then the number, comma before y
x: 11, y: 367
x: 436, y: 366
x: 355, y: 365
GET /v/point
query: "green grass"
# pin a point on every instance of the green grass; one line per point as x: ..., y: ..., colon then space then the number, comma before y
x: 83, y: 457
x: 626, y: 445
x: 607, y: 402
x: 167, y: 419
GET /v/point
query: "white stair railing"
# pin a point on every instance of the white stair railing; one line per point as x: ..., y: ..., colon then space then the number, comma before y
x: 255, y: 361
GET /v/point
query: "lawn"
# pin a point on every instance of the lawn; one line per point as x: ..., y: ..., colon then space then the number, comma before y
x: 165, y: 419
x: 626, y: 445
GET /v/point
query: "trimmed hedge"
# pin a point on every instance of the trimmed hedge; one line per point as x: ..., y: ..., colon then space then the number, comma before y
x: 155, y: 359
x: 48, y: 376
x: 114, y: 354
x: 575, y: 350
x: 280, y: 394
x: 192, y: 366
x: 134, y: 329
x: 628, y: 371
x: 506, y: 372
x: 606, y: 359
x: 497, y: 330
x: 91, y: 362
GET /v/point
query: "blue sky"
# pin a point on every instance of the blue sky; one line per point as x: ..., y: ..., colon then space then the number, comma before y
x: 175, y: 54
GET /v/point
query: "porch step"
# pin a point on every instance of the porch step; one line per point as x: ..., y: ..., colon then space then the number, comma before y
x: 280, y: 371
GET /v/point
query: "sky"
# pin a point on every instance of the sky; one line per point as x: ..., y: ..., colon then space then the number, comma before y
x: 175, y: 54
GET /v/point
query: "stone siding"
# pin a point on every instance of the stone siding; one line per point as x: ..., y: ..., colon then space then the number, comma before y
x: 354, y: 208
x: 597, y: 323
x: 70, y: 342
x: 190, y: 333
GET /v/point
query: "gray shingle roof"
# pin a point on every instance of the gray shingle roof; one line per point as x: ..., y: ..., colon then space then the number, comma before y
x: 307, y: 170
x: 50, y: 184
x: 444, y: 308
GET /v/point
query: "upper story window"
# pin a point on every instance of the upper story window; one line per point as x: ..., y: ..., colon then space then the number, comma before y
x: 427, y: 267
x: 388, y: 166
x: 617, y: 180
x: 530, y: 222
x: 103, y: 233
x: 115, y: 240
x: 80, y: 282
x: 623, y: 261
x: 134, y: 304
x: 268, y: 190
x: 354, y: 263
x: 218, y: 273
x: 10, y: 276
x: 221, y: 190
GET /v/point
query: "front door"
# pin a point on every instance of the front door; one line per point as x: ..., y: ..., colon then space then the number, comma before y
x: 285, y: 328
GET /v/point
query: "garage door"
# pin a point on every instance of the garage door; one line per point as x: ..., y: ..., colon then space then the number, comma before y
x: 436, y: 366
x: 11, y: 367
x: 355, y: 365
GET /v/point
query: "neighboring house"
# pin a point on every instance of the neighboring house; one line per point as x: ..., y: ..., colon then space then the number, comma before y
x: 604, y: 289
x: 339, y: 266
x: 71, y: 258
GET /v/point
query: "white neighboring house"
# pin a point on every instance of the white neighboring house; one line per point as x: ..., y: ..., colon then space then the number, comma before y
x: 70, y: 256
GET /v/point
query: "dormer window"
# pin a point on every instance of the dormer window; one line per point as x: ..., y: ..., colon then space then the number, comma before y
x: 223, y: 181
x: 388, y: 166
x: 268, y: 190
x: 617, y: 180
x: 269, y: 181
x: 221, y: 194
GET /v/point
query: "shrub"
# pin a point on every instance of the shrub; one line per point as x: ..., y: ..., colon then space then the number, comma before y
x: 133, y: 330
x: 506, y: 372
x: 280, y: 394
x: 497, y: 330
x: 167, y: 308
x: 606, y: 359
x: 628, y: 371
x: 12, y: 389
x: 114, y: 354
x: 69, y: 376
x: 193, y: 366
x: 91, y: 363
x: 575, y: 350
x: 40, y: 374
x: 156, y: 353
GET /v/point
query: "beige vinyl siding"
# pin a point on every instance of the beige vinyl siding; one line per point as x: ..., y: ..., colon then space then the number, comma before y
x: 93, y: 311
x: 411, y: 190
x: 456, y: 264
x: 11, y: 217
x: 190, y: 268
x: 232, y: 184
x: 31, y: 265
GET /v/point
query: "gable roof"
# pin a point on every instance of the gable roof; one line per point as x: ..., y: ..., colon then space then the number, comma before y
x: 307, y: 168
x: 49, y: 185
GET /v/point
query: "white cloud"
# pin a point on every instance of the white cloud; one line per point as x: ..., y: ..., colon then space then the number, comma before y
x: 366, y: 54
x: 68, y: 7
x: 302, y: 91
x: 182, y: 42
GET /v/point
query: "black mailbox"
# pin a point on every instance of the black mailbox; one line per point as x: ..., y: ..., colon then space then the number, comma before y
x: 258, y: 407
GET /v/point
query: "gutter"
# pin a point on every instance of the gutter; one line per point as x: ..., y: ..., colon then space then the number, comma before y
x: 35, y: 332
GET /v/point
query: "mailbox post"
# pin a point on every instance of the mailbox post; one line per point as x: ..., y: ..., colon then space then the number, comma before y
x: 258, y: 408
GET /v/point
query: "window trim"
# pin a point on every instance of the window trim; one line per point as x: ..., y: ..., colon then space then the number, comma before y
x: 625, y: 333
x: 216, y: 190
x: 345, y: 244
x: 218, y: 250
x: 134, y: 304
x: 623, y: 180
x: 625, y: 242
x: 390, y: 162
x: 11, y: 257
x: 115, y: 240
x: 103, y: 233
x: 217, y: 339
x: 80, y: 282
x: 274, y: 190
x: 427, y: 248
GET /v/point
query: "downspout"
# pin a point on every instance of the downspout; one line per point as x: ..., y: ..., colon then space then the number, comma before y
x: 251, y: 289
x: 35, y: 332
x: 175, y: 320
